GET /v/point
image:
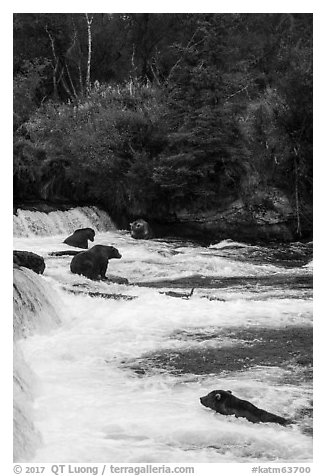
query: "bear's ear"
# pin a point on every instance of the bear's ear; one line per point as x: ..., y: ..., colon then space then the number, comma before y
x: 218, y: 396
x: 229, y: 391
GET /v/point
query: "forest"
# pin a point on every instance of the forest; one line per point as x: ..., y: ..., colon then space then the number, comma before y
x: 200, y: 121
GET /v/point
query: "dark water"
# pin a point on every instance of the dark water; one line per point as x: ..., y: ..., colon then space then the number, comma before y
x: 222, y: 351
x: 122, y: 376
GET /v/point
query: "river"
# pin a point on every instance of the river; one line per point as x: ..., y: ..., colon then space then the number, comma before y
x: 120, y: 378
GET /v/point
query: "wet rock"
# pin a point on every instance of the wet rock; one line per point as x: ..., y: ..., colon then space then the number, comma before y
x: 178, y: 294
x: 115, y: 279
x: 213, y: 298
x: 265, y: 215
x: 64, y: 253
x: 97, y: 294
x: 30, y: 260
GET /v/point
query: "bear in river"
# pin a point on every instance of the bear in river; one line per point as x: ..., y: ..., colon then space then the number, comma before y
x: 93, y: 263
x: 140, y: 230
x: 227, y: 404
x: 80, y: 238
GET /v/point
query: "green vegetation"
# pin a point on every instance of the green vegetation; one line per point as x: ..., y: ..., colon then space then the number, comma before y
x: 148, y: 114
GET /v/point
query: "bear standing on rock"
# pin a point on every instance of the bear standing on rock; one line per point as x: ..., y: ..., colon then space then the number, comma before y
x: 80, y: 238
x: 93, y: 263
x: 140, y: 230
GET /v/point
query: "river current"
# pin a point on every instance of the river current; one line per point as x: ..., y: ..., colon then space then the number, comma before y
x: 120, y: 378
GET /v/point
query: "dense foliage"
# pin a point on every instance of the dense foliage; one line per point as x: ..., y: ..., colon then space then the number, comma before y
x: 179, y: 111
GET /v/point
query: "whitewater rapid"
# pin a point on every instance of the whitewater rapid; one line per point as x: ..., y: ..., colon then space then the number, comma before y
x: 119, y: 379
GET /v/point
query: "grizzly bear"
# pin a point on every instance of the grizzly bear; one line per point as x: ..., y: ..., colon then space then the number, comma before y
x: 80, y: 238
x: 227, y: 404
x: 93, y: 263
x: 140, y: 229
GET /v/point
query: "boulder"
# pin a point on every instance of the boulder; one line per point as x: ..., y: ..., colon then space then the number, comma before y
x: 30, y: 260
x: 264, y: 216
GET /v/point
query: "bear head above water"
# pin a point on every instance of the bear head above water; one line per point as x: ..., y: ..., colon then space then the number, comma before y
x: 223, y: 402
x: 140, y: 230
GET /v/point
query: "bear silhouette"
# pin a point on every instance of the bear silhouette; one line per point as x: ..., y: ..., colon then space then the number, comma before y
x: 140, y: 230
x: 80, y: 238
x: 93, y: 263
x: 227, y: 404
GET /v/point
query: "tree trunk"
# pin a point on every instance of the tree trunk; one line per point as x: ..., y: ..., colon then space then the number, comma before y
x: 71, y: 81
x: 297, y: 203
x: 89, y: 56
x: 55, y: 65
x: 65, y: 86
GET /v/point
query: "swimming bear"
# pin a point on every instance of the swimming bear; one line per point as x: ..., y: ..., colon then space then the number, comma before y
x: 140, y: 229
x: 80, y: 238
x: 93, y: 263
x: 227, y: 404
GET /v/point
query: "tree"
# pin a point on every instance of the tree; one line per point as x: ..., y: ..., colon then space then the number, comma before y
x: 187, y: 109
x: 278, y: 121
x: 205, y: 154
x: 89, y: 21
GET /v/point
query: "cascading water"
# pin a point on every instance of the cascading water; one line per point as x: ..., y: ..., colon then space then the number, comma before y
x: 120, y: 378
x: 36, y: 310
x: 31, y: 223
x: 35, y: 304
x: 26, y: 437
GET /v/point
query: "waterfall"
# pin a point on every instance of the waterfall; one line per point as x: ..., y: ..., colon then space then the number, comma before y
x: 35, y: 304
x: 35, y: 311
x: 34, y: 223
x: 26, y: 437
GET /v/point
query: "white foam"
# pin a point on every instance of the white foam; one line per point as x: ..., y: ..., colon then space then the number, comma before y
x: 35, y: 223
x: 93, y: 407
